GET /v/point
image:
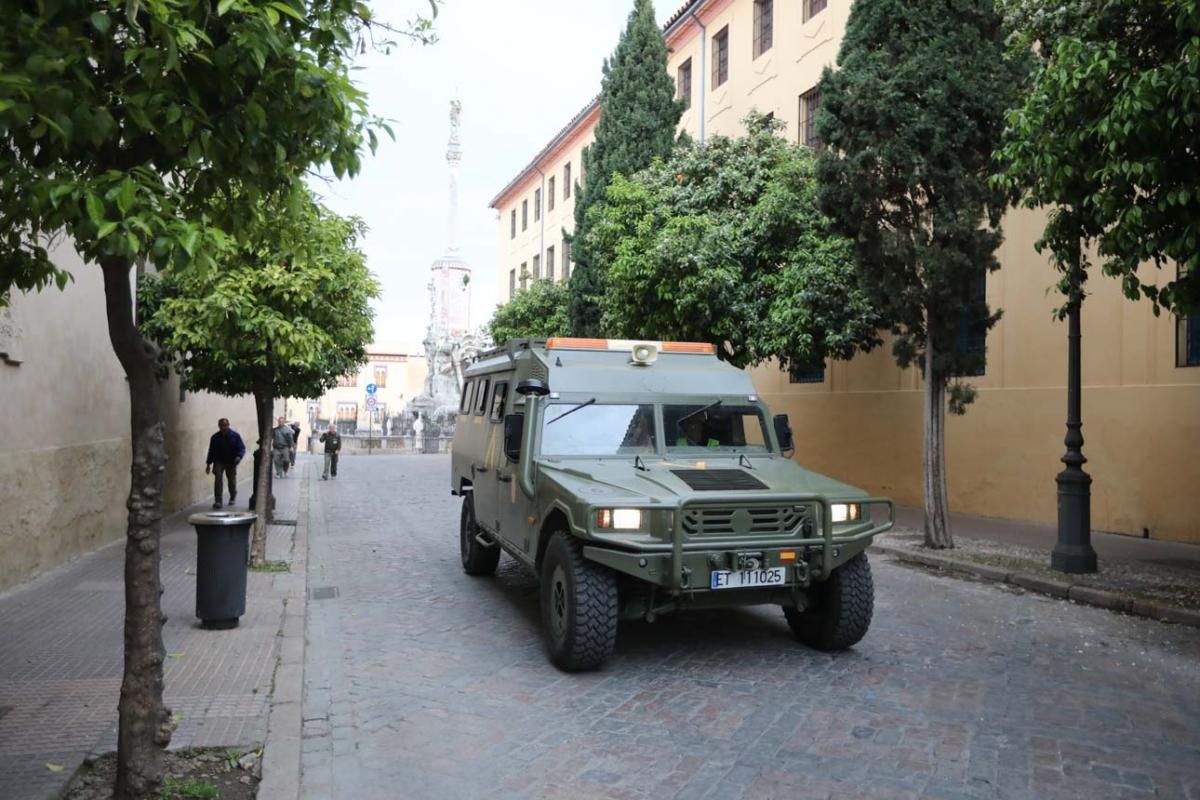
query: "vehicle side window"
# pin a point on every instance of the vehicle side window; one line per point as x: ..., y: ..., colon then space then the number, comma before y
x: 465, y: 405
x: 499, y: 395
x: 481, y: 396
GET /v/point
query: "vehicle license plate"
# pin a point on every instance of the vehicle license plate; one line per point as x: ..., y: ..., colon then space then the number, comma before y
x: 747, y: 578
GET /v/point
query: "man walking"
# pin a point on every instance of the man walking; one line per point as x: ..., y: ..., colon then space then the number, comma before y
x: 282, y: 440
x: 295, y: 442
x: 333, y: 445
x: 225, y: 450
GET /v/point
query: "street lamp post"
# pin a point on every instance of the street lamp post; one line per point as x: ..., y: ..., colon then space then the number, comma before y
x: 1073, y: 552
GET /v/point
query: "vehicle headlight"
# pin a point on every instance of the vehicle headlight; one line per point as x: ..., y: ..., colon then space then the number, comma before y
x: 619, y: 519
x: 846, y: 512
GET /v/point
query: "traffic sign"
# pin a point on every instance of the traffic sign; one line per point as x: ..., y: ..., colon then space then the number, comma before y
x: 371, y: 388
x: 371, y: 401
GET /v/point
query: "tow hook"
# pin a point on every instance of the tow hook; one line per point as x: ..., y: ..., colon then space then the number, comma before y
x: 685, y: 578
x: 802, y: 576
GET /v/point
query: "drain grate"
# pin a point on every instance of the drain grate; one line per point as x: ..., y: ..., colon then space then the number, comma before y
x: 283, y: 522
x: 323, y: 593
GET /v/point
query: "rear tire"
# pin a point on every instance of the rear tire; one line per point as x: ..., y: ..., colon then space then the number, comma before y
x: 579, y: 606
x: 840, y: 608
x: 476, y: 559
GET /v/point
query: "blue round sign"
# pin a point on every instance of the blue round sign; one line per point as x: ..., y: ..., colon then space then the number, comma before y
x: 371, y: 388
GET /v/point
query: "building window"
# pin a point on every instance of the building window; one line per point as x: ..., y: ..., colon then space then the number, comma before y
x: 348, y: 380
x: 971, y: 341
x: 513, y: 233
x: 550, y: 263
x: 524, y: 275
x: 763, y: 26
x: 567, y: 180
x: 720, y: 57
x: 550, y: 194
x: 1187, y: 342
x: 537, y: 204
x: 524, y: 214
x: 810, y: 102
x: 512, y: 283
x: 381, y: 376
x: 566, y: 258
x: 347, y: 412
x: 811, y: 372
x: 683, y: 84
x: 537, y: 267
x: 813, y: 7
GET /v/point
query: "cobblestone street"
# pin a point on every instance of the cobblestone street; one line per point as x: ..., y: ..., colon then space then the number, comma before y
x: 422, y: 682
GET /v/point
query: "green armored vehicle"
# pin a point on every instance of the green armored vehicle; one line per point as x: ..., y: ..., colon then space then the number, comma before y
x: 637, y: 478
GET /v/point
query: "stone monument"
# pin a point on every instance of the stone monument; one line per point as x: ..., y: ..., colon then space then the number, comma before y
x: 448, y: 338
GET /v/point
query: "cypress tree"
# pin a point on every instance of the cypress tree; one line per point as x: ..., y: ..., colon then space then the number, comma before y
x: 638, y: 115
x: 910, y: 121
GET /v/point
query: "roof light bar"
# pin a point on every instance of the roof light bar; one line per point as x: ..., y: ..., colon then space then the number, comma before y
x: 626, y: 345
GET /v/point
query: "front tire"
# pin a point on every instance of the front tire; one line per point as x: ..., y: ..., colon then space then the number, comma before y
x: 579, y: 606
x: 476, y: 558
x: 840, y: 608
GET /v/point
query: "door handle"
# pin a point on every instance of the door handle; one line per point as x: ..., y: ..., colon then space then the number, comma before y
x: 504, y: 477
x: 478, y: 468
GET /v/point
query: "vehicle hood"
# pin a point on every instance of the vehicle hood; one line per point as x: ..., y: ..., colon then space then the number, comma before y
x: 610, y: 480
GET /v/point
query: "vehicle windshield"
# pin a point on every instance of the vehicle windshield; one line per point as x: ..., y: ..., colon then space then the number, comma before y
x: 737, y: 428
x: 598, y: 430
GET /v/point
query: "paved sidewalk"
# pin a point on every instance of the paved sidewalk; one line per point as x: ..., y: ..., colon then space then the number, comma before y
x: 61, y: 655
x: 1113, y: 547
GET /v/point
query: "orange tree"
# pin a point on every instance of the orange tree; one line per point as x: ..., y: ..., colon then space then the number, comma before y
x: 143, y: 130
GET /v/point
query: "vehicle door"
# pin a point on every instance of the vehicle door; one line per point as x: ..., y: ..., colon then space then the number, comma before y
x: 508, y: 495
x: 483, y: 457
x: 515, y: 508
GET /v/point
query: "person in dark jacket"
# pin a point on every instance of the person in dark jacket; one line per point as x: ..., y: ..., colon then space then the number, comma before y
x: 225, y: 451
x: 295, y: 441
x: 333, y: 446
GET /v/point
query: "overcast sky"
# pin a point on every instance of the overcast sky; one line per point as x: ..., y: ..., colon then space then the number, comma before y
x: 522, y: 69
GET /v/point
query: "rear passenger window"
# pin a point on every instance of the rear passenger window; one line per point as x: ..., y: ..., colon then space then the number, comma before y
x: 499, y: 395
x: 481, y: 396
x: 465, y: 405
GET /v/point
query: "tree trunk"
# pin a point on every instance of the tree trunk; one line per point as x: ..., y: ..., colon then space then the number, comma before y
x: 258, y: 543
x: 145, y: 723
x: 933, y: 457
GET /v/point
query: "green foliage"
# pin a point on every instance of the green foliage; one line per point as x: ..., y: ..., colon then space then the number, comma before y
x: 540, y: 311
x: 910, y: 120
x: 189, y: 789
x: 638, y: 115
x: 122, y: 121
x: 724, y: 243
x: 287, y: 312
x: 1107, y: 134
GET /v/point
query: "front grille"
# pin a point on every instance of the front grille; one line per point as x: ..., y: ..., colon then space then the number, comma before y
x: 743, y: 521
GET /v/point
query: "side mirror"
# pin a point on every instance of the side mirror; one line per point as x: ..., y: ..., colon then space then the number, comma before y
x: 783, y: 432
x: 534, y: 386
x: 512, y: 436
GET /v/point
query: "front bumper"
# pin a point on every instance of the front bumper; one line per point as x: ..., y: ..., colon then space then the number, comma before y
x: 686, y: 563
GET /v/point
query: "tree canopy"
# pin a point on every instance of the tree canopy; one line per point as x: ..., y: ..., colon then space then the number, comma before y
x: 910, y: 121
x: 724, y: 243
x: 1107, y: 135
x: 286, y: 314
x: 539, y: 310
x: 638, y: 115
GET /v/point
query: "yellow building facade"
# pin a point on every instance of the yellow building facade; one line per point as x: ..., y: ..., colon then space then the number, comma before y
x: 860, y: 420
x: 398, y: 378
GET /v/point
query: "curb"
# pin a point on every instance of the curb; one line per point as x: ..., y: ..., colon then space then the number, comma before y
x: 282, y: 748
x: 1062, y: 589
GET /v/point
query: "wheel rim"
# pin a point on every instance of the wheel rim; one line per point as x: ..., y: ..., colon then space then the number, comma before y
x: 559, y: 605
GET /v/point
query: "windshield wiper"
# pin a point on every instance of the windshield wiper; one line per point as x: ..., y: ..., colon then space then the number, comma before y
x: 679, y: 422
x: 572, y: 411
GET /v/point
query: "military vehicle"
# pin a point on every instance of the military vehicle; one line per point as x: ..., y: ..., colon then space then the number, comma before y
x: 636, y: 478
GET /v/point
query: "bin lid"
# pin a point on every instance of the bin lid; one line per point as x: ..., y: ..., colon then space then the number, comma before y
x: 221, y: 518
